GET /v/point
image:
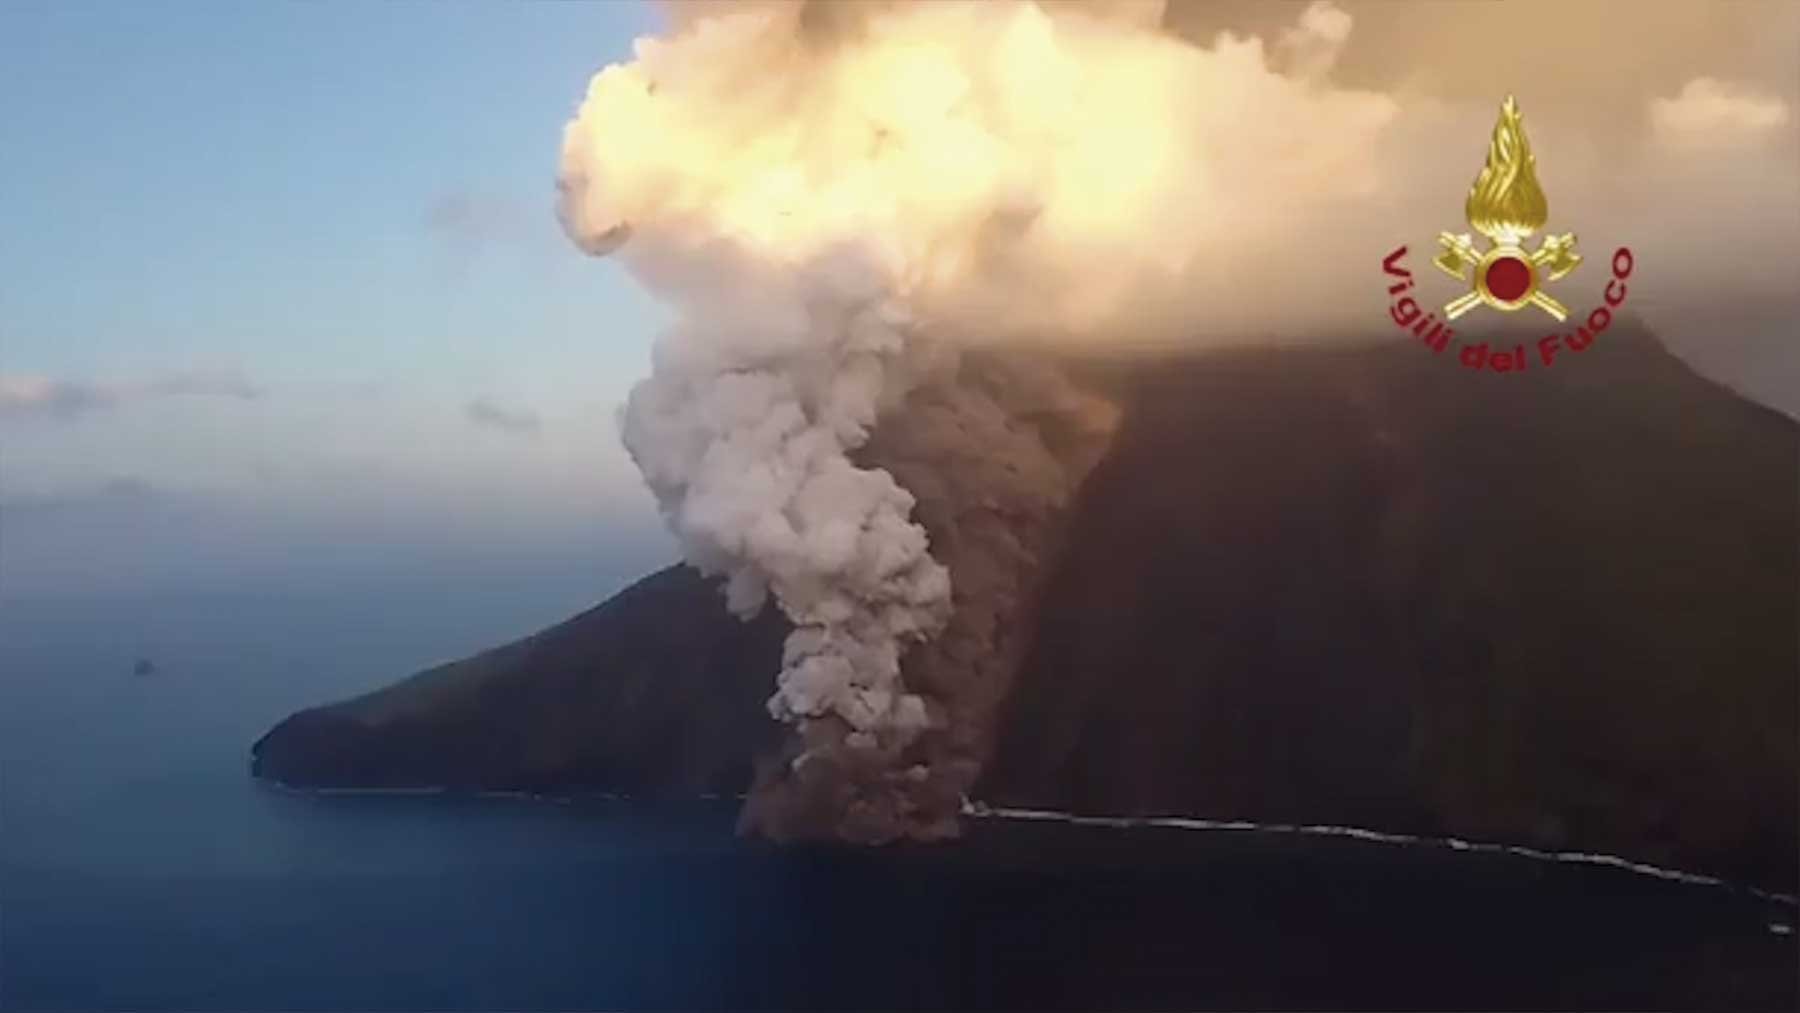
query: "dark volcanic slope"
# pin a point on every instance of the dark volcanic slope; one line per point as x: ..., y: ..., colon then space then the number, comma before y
x: 655, y: 691
x: 1375, y: 589
x: 1329, y: 585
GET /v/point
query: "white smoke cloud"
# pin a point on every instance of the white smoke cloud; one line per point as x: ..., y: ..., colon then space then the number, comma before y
x: 743, y: 433
x: 831, y: 194
x: 998, y: 148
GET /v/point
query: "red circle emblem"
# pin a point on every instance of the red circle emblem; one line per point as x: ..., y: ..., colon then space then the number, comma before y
x: 1508, y: 279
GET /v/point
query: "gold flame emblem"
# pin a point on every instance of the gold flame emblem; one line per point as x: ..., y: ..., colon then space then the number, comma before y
x: 1507, y: 205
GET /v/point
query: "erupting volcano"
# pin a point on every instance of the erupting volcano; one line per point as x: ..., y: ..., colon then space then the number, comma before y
x: 1024, y: 444
x: 841, y: 201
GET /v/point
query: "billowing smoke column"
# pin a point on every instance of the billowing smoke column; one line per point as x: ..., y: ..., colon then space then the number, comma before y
x: 840, y: 197
x: 743, y: 433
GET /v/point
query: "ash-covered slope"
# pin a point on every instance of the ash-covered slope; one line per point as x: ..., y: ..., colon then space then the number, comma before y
x: 1360, y: 585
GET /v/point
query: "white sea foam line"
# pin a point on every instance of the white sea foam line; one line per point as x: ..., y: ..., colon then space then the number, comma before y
x: 290, y: 789
x: 982, y: 810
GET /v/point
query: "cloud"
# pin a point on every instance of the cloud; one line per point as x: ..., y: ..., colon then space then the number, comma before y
x: 1713, y: 113
x: 476, y: 221
x: 34, y: 395
x: 24, y: 394
x: 470, y: 231
x: 518, y: 421
x: 1312, y: 47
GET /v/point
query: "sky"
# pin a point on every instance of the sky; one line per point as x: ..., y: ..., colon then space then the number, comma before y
x: 284, y: 298
x: 287, y: 277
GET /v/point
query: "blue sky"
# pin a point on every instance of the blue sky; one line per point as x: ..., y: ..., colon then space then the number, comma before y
x: 295, y: 273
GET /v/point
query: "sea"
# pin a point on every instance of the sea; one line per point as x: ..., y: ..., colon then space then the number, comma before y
x: 141, y: 868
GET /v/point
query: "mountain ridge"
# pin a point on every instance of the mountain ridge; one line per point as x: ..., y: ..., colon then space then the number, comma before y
x: 1349, y: 584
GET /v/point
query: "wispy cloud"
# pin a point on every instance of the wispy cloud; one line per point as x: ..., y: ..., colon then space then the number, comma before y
x: 519, y: 421
x: 1714, y: 113
x: 31, y: 394
x: 475, y: 220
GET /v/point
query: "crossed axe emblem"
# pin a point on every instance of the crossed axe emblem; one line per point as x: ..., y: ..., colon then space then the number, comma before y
x: 1506, y: 277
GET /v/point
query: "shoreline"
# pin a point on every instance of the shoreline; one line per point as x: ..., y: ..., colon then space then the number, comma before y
x: 978, y: 810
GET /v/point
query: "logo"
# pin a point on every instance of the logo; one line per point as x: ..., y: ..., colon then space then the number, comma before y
x: 1506, y: 206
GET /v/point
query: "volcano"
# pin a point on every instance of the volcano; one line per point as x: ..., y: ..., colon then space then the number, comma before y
x: 1349, y: 584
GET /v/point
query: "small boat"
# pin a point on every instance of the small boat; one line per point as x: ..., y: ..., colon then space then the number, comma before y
x: 144, y: 666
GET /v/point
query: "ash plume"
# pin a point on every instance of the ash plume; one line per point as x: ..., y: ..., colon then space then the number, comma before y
x: 873, y: 218
x: 839, y: 200
x: 994, y: 447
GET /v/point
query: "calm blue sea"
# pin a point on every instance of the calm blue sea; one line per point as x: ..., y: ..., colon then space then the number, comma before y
x: 141, y: 869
